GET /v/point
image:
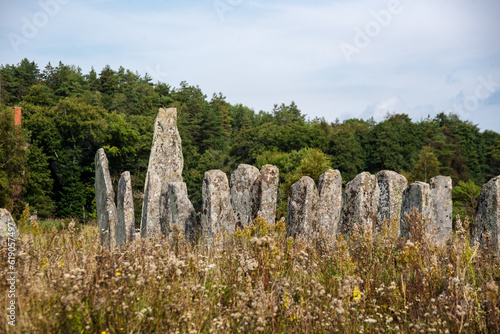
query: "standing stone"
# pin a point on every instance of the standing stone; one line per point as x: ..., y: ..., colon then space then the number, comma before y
x: 125, y: 230
x: 265, y: 194
x: 330, y: 201
x: 165, y: 164
x: 178, y: 211
x: 391, y: 186
x: 486, y: 229
x: 417, y: 195
x: 8, y: 228
x: 441, y: 187
x: 302, y: 208
x: 217, y: 214
x: 360, y: 203
x: 242, y: 180
x: 107, y: 216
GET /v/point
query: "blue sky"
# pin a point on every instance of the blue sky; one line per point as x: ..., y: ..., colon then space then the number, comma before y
x: 335, y: 59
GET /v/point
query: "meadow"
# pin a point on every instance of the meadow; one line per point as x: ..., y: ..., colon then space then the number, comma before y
x: 255, y: 280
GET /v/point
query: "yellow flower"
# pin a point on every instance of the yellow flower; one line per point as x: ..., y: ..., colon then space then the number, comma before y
x: 44, y: 263
x: 118, y: 272
x: 356, y: 294
x: 60, y: 264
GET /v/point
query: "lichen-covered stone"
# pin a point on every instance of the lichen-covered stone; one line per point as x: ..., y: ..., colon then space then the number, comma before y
x: 107, y: 216
x: 417, y: 195
x: 330, y: 201
x: 125, y: 229
x: 486, y: 229
x: 441, y: 192
x: 391, y: 186
x: 165, y: 164
x: 360, y: 203
x: 302, y: 208
x: 217, y: 214
x: 178, y: 211
x: 8, y: 228
x: 243, y: 179
x: 265, y: 194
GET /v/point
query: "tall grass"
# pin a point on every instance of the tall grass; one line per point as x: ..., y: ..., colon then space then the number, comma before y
x: 254, y: 281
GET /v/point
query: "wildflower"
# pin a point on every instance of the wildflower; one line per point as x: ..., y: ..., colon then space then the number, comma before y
x: 370, y: 320
x: 118, y: 272
x: 356, y: 294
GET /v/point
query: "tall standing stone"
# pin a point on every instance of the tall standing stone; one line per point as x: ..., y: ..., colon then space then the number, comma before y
x: 107, y: 216
x: 486, y: 229
x: 330, y: 201
x: 360, y: 203
x: 302, y: 208
x: 417, y: 195
x: 265, y: 194
x: 165, y: 164
x: 178, y: 211
x: 242, y: 180
x: 8, y: 228
x: 391, y: 186
x: 217, y: 214
x: 441, y: 192
x: 125, y: 229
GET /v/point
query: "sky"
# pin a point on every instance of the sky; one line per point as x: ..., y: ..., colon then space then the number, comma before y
x: 335, y: 59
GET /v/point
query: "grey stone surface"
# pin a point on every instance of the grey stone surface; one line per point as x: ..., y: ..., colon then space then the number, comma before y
x: 417, y: 195
x: 125, y: 230
x: 217, y: 214
x: 107, y: 216
x: 391, y: 186
x: 360, y: 203
x: 330, y: 201
x: 265, y: 194
x: 486, y: 229
x: 302, y: 208
x: 243, y: 179
x: 441, y: 192
x: 178, y: 210
x: 8, y: 228
x: 165, y: 164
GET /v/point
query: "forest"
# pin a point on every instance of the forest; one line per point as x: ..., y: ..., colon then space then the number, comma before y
x: 47, y: 162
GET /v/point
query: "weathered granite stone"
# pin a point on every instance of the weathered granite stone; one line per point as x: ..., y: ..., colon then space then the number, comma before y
x: 441, y: 187
x: 217, y: 214
x: 417, y: 195
x: 391, y: 186
x: 165, y: 164
x: 107, y: 216
x: 302, y: 208
x: 8, y: 228
x: 125, y: 229
x: 242, y: 180
x: 330, y: 201
x: 360, y: 203
x: 265, y: 194
x: 178, y: 211
x: 486, y: 229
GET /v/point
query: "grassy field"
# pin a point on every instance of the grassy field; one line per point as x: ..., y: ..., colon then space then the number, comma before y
x: 253, y: 281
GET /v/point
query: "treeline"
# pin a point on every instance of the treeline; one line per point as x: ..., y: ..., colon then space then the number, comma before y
x: 67, y: 115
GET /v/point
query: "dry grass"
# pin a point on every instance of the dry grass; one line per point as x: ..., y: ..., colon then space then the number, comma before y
x: 254, y: 281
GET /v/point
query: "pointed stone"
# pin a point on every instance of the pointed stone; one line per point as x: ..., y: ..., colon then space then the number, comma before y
x: 441, y: 192
x: 217, y: 214
x: 242, y: 180
x: 330, y: 201
x: 107, y: 216
x: 265, y: 194
x: 391, y: 186
x: 486, y: 229
x: 302, y: 208
x: 125, y: 229
x: 165, y: 164
x: 360, y: 203
x: 417, y: 195
x: 178, y: 211
x: 8, y: 228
